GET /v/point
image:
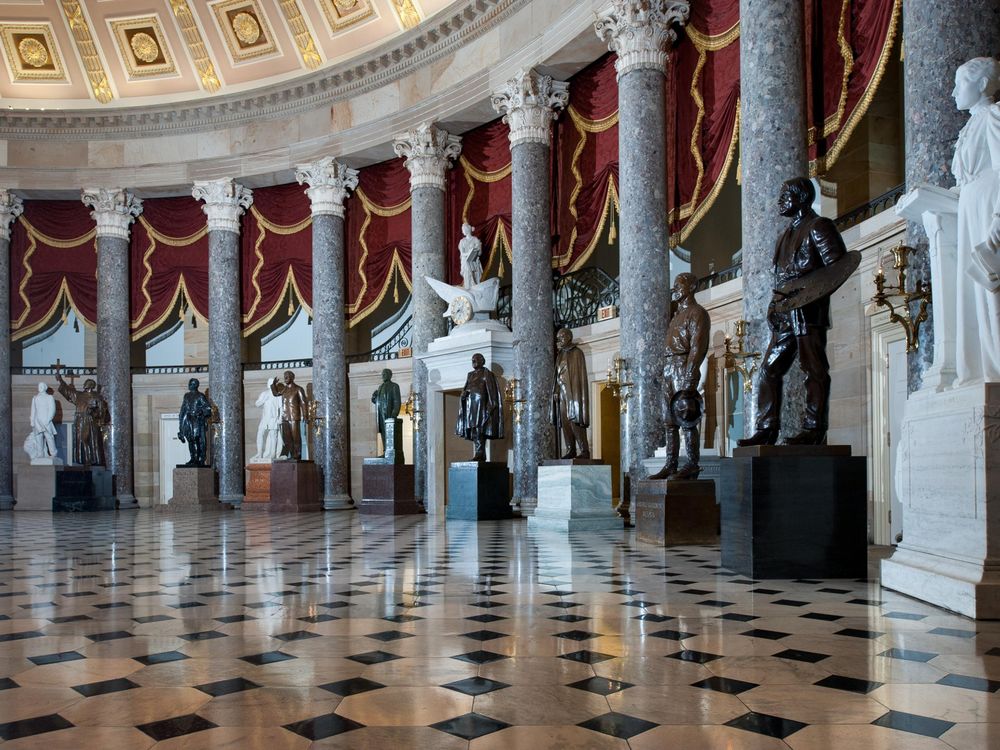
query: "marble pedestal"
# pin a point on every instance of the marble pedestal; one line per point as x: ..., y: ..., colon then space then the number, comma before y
x: 948, y: 479
x: 195, y: 489
x: 80, y: 489
x: 295, y: 487
x: 35, y: 486
x: 574, y: 496
x: 795, y: 512
x: 681, y: 511
x: 393, y: 448
x: 478, y: 491
x: 387, y: 489
x: 258, y: 484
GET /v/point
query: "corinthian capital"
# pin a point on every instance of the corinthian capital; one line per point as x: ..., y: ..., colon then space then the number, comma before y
x: 114, y: 210
x: 641, y: 31
x: 225, y: 202
x: 529, y: 103
x: 329, y: 184
x: 428, y: 151
x: 10, y: 208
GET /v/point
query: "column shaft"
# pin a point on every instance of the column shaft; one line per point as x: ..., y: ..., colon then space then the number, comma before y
x: 10, y: 208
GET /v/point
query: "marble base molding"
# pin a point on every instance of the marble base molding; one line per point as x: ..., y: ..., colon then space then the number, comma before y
x: 948, y: 475
x: 34, y: 487
x: 574, y: 497
x: 195, y: 489
x: 671, y: 512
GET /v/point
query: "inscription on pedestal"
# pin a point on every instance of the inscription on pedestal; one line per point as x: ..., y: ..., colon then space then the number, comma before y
x: 672, y: 512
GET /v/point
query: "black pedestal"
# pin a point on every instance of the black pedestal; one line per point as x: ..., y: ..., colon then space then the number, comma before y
x: 795, y: 512
x: 676, y: 511
x: 80, y: 489
x: 387, y: 489
x: 478, y: 491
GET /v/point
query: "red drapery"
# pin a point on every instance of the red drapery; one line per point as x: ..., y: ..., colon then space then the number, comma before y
x: 53, y: 261
x: 276, y: 241
x: 377, y: 234
x: 169, y: 262
x: 479, y: 192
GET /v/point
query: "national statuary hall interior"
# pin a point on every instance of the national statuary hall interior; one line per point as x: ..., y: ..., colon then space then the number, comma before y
x: 518, y: 374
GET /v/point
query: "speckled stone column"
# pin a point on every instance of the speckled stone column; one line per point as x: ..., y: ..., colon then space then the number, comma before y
x: 529, y: 103
x: 329, y: 184
x: 10, y: 208
x: 114, y: 211
x: 429, y: 151
x: 938, y: 36
x: 773, y: 149
x: 642, y: 34
x: 225, y: 201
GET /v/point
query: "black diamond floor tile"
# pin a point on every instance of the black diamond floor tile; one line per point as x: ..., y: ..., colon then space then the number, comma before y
x: 485, y: 635
x: 480, y: 657
x: 699, y: 657
x: 587, y: 657
x: 470, y: 726
x: 771, y: 635
x: 671, y: 635
x: 58, y: 658
x: 14, y: 730
x: 387, y: 636
x: 770, y: 726
x: 297, y: 635
x: 352, y: 686
x: 161, y: 658
x: 619, y: 725
x: 374, y: 657
x: 268, y: 657
x: 176, y: 727
x: 600, y: 685
x: 486, y: 618
x: 225, y: 687
x: 104, y: 687
x: 970, y: 683
x: 577, y: 635
x: 850, y: 684
x: 870, y: 635
x: 725, y: 685
x: 321, y: 727
x: 908, y: 654
x: 476, y: 686
x: 913, y: 723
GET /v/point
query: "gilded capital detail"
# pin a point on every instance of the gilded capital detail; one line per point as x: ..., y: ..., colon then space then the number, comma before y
x: 641, y: 32
x: 225, y: 201
x: 529, y: 103
x: 114, y: 210
x: 428, y: 151
x: 11, y: 206
x: 330, y: 182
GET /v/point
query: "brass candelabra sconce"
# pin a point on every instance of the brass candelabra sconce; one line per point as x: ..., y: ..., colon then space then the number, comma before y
x: 740, y: 359
x: 617, y: 381
x: 898, y: 299
x: 514, y: 397
x: 414, y: 409
x: 316, y: 422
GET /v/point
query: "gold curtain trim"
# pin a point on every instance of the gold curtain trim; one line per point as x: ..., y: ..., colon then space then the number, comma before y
x: 832, y: 123
x: 354, y: 308
x: 501, y: 242
x: 610, y: 199
x: 713, y: 42
x: 473, y: 175
x: 264, y: 226
x: 179, y: 289
x: 289, y: 284
x: 167, y: 239
x: 396, y: 267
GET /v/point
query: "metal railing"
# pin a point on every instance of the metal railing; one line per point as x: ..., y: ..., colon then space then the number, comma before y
x: 720, y: 277
x: 389, y: 349
x: 875, y: 206
x: 576, y: 298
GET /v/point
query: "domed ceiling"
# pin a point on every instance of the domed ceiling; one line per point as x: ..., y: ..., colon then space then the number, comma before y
x: 75, y: 54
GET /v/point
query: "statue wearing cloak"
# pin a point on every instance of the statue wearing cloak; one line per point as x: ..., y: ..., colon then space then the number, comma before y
x: 480, y: 415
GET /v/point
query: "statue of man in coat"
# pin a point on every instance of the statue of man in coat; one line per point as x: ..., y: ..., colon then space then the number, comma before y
x: 572, y: 394
x: 480, y: 415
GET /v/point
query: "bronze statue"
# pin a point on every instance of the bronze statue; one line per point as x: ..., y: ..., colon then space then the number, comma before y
x: 808, y: 244
x: 687, y: 345
x: 196, y: 411
x: 480, y: 416
x: 387, y: 403
x: 89, y: 422
x: 572, y: 396
x: 294, y: 408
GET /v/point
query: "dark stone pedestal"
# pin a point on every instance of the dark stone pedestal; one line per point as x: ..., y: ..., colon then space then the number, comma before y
x: 679, y: 511
x: 478, y: 491
x: 295, y: 487
x: 573, y: 462
x: 80, y: 489
x: 795, y: 512
x: 387, y: 489
x: 196, y: 488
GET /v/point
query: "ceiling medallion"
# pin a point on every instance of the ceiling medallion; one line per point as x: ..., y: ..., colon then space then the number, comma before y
x: 33, y: 52
x: 246, y: 27
x: 144, y: 47
x: 343, y: 13
x: 345, y: 5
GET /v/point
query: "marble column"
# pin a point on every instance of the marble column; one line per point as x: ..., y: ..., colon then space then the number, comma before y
x: 529, y: 102
x: 225, y: 201
x: 114, y: 210
x: 428, y: 151
x: 938, y: 36
x: 642, y: 34
x: 10, y: 208
x: 330, y: 182
x: 773, y: 149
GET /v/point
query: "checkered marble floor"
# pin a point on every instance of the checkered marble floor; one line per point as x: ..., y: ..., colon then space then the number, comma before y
x: 264, y: 631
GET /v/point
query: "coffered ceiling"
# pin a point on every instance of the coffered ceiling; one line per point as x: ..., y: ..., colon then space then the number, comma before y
x: 74, y: 54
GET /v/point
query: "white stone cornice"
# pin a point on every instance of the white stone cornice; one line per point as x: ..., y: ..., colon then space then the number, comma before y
x: 330, y: 182
x: 529, y: 103
x: 641, y: 32
x: 114, y: 210
x: 225, y: 202
x: 11, y: 206
x: 428, y: 151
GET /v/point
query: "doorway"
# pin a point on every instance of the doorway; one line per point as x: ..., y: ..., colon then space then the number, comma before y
x: 888, y: 399
x: 610, y: 435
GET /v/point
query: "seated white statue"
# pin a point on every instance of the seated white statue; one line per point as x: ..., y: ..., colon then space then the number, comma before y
x: 977, y: 175
x: 40, y: 445
x: 474, y: 301
x: 269, y: 428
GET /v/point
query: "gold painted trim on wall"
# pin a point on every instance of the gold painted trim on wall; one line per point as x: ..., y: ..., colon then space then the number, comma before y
x: 85, y: 45
x: 196, y: 46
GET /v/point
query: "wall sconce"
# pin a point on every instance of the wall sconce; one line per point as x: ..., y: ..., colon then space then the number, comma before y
x: 899, y: 312
x: 513, y: 395
x: 618, y: 383
x: 738, y: 358
x: 413, y: 409
x: 314, y: 419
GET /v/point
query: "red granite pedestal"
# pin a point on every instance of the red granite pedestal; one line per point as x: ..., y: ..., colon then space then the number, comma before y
x: 295, y: 487
x: 387, y: 489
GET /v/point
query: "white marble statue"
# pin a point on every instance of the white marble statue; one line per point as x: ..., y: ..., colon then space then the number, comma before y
x: 470, y: 248
x: 977, y: 176
x: 269, y: 428
x: 40, y: 445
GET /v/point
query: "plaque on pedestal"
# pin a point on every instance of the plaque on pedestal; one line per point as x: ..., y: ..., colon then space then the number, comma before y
x: 478, y: 491
x: 195, y: 489
x: 676, y: 511
x: 574, y: 495
x: 795, y: 512
x: 35, y: 486
x: 387, y: 488
x: 295, y: 487
x: 84, y: 489
x: 258, y: 484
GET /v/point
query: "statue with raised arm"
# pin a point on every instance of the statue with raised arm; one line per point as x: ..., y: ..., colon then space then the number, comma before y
x: 687, y: 346
x: 480, y: 414
x: 572, y: 394
x: 387, y: 404
x: 40, y: 445
x: 195, y: 413
x: 294, y: 409
x: 89, y: 422
x: 470, y: 249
